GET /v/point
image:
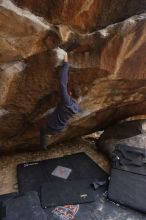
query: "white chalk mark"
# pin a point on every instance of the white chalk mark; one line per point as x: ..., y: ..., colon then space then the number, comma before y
x: 13, y: 67
x: 3, y: 112
x: 104, y: 32
x: 8, y: 4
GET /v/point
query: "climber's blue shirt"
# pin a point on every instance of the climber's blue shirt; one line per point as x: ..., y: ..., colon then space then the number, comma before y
x: 67, y: 106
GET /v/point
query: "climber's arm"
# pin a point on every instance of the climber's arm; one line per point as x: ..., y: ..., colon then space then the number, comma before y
x: 65, y: 97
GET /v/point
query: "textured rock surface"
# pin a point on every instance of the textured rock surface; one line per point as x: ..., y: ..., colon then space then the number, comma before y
x: 108, y: 64
x: 132, y: 133
x: 84, y: 15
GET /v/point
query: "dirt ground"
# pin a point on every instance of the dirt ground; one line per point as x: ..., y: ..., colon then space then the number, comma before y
x: 8, y: 163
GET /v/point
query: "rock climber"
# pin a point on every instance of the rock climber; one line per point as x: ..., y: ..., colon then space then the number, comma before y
x: 66, y: 108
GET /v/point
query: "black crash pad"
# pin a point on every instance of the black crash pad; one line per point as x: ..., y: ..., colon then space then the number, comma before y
x: 32, y: 175
x: 102, y: 209
x: 4, y: 198
x: 23, y: 207
x: 67, y: 192
x: 7, y: 196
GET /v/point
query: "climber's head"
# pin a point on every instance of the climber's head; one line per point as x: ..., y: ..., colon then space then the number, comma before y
x: 76, y: 93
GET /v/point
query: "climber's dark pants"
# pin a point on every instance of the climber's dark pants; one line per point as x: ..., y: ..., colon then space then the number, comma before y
x: 43, y: 137
x: 44, y: 132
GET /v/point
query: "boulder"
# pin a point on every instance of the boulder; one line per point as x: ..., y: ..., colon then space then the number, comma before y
x: 84, y: 15
x: 106, y: 61
x: 131, y: 133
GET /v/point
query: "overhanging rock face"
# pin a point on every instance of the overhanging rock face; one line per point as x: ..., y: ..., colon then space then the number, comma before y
x: 106, y: 41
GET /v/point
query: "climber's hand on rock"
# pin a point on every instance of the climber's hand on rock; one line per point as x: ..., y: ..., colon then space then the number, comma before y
x: 61, y: 56
x: 66, y: 57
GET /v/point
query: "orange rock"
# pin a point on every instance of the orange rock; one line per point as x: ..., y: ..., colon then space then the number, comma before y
x: 108, y: 65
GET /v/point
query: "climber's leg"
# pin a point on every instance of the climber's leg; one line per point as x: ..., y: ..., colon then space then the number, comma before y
x: 43, y: 137
x: 45, y: 133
